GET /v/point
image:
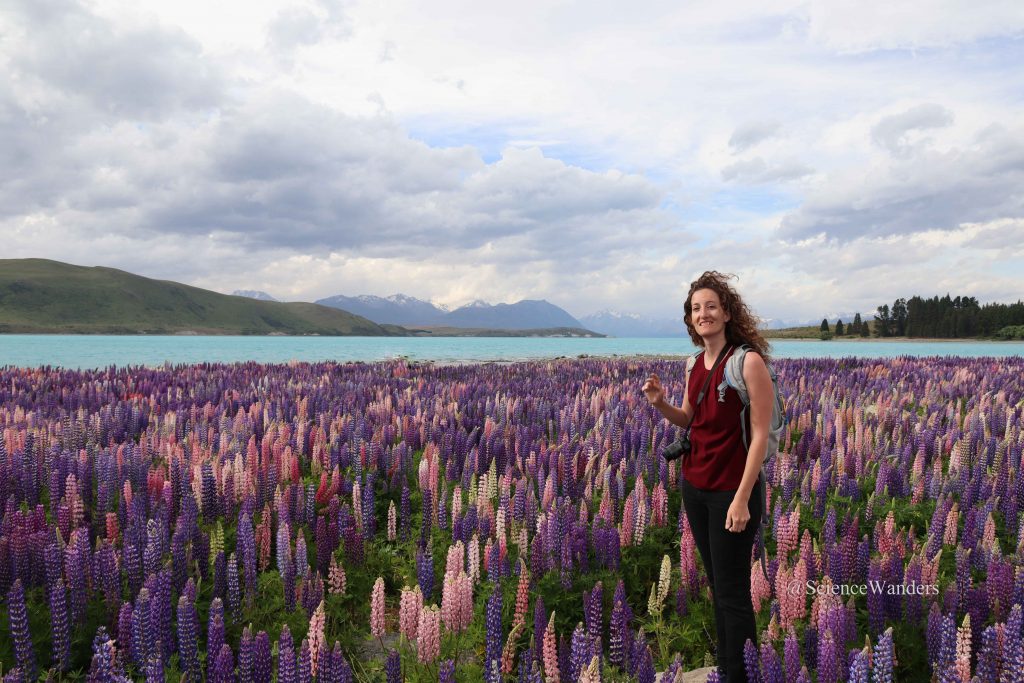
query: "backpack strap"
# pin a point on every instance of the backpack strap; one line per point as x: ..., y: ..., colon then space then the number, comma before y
x: 734, y: 378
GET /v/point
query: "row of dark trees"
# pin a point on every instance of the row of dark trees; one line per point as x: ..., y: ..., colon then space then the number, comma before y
x: 945, y: 317
x: 857, y: 327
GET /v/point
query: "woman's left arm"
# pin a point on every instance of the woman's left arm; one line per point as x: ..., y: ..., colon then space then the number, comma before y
x: 759, y: 389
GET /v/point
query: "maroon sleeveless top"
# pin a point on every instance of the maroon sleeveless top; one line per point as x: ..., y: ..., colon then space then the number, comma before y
x: 718, y: 457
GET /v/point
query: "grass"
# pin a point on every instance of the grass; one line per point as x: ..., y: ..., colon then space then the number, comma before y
x: 42, y: 296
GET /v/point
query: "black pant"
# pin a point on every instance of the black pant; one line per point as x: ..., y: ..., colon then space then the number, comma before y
x: 727, y: 559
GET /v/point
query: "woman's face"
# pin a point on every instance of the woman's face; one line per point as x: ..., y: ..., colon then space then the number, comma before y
x: 706, y: 313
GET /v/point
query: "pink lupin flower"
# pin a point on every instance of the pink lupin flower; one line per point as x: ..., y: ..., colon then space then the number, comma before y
x: 464, y: 601
x: 688, y: 556
x: 428, y: 643
x: 963, y: 650
x: 952, y: 520
x: 316, y: 636
x: 508, y: 653
x: 409, y: 609
x: 550, y: 653
x: 759, y: 587
x: 336, y: 578
x: 392, y: 521
x: 455, y: 560
x: 522, y: 595
x: 456, y: 505
x: 377, y: 609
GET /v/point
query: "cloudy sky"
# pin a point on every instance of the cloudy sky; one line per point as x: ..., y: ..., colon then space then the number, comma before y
x: 599, y: 154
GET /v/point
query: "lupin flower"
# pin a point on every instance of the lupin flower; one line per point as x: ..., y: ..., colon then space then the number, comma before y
x: 393, y: 666
x: 550, y: 652
x: 446, y: 672
x: 61, y: 643
x: 262, y: 661
x: 188, y: 648
x: 336, y: 577
x: 493, y: 638
x: 316, y: 636
x: 428, y: 641
x: 883, y: 659
x: 224, y: 666
x: 410, y: 605
x: 287, y: 669
x: 377, y: 609
x: 17, y: 615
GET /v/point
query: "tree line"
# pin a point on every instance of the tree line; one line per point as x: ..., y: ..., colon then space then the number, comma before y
x: 945, y: 317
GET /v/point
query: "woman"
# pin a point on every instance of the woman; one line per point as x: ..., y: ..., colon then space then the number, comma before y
x: 721, y: 491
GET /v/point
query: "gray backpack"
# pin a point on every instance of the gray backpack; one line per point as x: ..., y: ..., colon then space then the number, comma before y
x: 776, y: 428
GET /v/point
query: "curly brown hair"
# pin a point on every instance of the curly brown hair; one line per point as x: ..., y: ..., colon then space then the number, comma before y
x: 742, y: 325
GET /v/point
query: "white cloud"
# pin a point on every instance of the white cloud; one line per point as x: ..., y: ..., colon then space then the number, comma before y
x: 596, y: 156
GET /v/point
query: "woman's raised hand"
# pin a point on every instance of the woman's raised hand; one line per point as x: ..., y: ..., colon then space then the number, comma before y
x: 653, y: 390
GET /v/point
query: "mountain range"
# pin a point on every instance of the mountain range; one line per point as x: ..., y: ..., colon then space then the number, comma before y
x: 400, y: 309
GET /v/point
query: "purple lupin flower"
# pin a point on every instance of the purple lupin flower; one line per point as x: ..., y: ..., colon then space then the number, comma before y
x: 988, y: 657
x: 124, y: 630
x: 304, y: 673
x: 224, y: 666
x: 882, y: 659
x: 540, y: 623
x: 579, y: 653
x: 234, y: 594
x: 17, y: 615
x: 188, y: 643
x: 751, y: 661
x: 143, y: 638
x: 214, y: 633
x: 804, y: 677
x: 791, y: 656
x: 828, y: 659
x: 154, y: 669
x: 61, y: 642
x: 325, y: 664
x: 262, y: 660
x: 1013, y: 648
x: 592, y: 614
x: 446, y: 672
x: 859, y: 668
x: 286, y: 669
x: 619, y: 631
x: 494, y: 637
x: 103, y: 668
x: 393, y: 667
x: 645, y: 670
x: 425, y: 573
x: 933, y: 634
x: 771, y: 667
x: 342, y: 670
x: 246, y: 656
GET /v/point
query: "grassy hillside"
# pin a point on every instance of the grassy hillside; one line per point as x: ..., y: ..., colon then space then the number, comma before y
x: 42, y: 296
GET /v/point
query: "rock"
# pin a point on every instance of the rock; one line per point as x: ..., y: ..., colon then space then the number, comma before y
x: 695, y: 676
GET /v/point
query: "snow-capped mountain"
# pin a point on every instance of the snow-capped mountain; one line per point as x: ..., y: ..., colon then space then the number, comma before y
x: 253, y: 294
x: 622, y: 324
x: 522, y: 315
x: 401, y: 309
x: 397, y: 309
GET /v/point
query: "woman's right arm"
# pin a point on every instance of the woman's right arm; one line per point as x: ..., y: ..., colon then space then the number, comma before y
x: 655, y: 394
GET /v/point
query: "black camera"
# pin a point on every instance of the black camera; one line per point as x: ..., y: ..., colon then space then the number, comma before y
x: 679, y: 447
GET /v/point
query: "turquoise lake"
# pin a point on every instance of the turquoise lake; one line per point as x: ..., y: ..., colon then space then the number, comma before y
x: 89, y: 351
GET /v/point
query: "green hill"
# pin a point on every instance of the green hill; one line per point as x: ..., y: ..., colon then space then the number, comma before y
x: 42, y: 296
